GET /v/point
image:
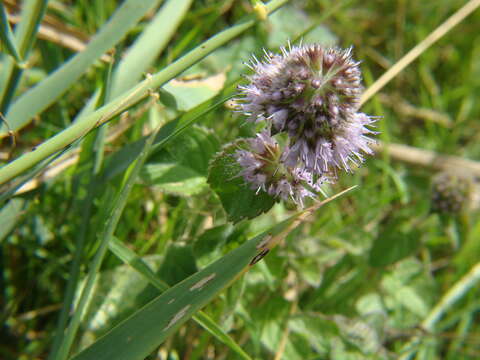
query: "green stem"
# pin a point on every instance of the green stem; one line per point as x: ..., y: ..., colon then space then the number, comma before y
x: 126, y: 100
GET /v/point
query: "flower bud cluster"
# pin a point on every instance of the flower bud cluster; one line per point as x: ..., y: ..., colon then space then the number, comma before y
x: 311, y: 94
x: 450, y: 193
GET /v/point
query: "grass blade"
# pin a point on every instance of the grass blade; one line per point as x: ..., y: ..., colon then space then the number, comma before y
x: 86, y: 207
x: 25, y: 35
x: 136, y: 262
x: 144, y: 50
x: 142, y: 332
x: 149, y: 45
x: 44, y: 94
x: 137, y: 336
x: 6, y: 35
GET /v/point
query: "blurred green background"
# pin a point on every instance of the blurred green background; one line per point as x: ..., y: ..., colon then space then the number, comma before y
x: 374, y: 274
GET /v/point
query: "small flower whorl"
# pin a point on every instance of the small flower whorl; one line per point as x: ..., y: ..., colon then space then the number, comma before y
x: 264, y: 169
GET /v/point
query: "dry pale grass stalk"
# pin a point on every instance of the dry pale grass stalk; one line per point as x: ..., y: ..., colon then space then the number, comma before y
x: 57, y: 36
x: 429, y: 159
x: 435, y: 35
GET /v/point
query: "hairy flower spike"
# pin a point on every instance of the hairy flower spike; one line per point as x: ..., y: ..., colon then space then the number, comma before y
x: 311, y: 93
x: 264, y: 169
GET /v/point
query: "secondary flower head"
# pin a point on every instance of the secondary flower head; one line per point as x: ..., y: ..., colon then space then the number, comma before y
x: 264, y: 170
x: 450, y: 193
x: 312, y: 93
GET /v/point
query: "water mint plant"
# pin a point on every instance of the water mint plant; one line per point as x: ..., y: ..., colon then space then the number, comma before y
x: 123, y: 217
x: 312, y: 93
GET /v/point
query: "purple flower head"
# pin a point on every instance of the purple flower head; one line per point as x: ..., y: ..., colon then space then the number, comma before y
x: 312, y: 94
x: 263, y: 169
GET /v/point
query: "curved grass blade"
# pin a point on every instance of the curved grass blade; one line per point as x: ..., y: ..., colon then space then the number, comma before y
x: 44, y: 94
x: 93, y: 149
x: 141, y: 333
x: 136, y: 262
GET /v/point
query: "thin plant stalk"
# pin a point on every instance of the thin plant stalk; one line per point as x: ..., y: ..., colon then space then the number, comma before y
x: 455, y: 293
x: 433, y: 37
x: 7, y: 35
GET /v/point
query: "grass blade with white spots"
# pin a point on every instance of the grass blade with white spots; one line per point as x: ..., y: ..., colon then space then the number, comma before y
x: 136, y: 262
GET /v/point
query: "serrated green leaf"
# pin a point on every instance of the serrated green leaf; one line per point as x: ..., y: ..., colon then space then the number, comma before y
x: 194, y: 148
x: 119, y: 161
x: 238, y: 200
x: 181, y: 169
x: 405, y: 295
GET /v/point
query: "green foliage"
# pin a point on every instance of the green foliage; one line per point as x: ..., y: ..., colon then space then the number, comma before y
x: 141, y: 221
x: 238, y: 199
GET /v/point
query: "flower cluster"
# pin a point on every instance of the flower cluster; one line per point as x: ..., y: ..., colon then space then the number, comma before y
x: 450, y: 193
x: 311, y: 94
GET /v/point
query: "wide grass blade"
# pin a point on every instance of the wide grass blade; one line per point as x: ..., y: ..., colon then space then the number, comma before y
x: 136, y: 262
x: 141, y: 333
x: 44, y: 94
x: 149, y: 45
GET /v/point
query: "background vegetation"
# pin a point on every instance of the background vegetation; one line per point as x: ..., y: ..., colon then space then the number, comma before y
x: 122, y: 215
